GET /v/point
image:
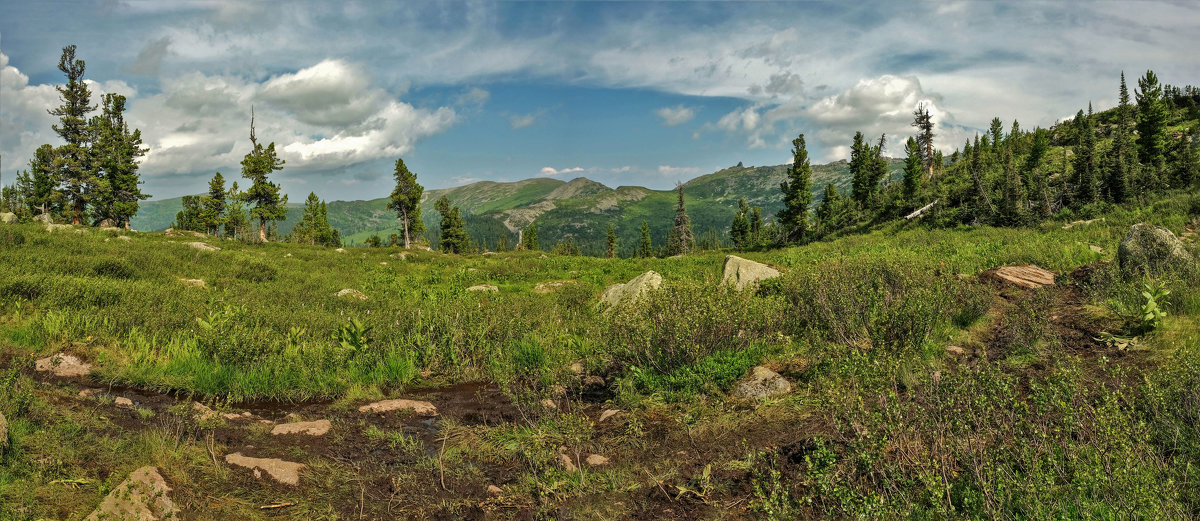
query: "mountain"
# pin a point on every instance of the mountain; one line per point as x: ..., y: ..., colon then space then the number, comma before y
x: 580, y: 208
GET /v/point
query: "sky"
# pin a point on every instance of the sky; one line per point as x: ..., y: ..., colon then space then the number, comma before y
x: 625, y: 93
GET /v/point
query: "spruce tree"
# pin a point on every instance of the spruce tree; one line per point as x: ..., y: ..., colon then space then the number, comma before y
x: 256, y: 166
x: 996, y: 134
x: 912, y: 173
x: 406, y: 202
x: 305, y: 231
x: 44, y: 195
x: 114, y: 154
x: 645, y: 248
x: 73, y: 158
x: 860, y: 183
x: 529, y: 237
x: 236, y: 223
x: 756, y: 226
x: 1085, y: 178
x: 610, y: 246
x: 797, y: 194
x: 1012, y: 200
x: 681, y: 240
x: 924, y: 124
x: 454, y: 237
x: 214, y: 205
x: 739, y: 231
x: 829, y: 209
x: 1122, y: 158
x: 1152, y: 121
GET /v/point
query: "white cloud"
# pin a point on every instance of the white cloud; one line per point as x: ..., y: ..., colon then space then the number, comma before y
x: 473, y: 96
x: 519, y: 121
x: 676, y: 115
x: 330, y: 93
x: 549, y: 171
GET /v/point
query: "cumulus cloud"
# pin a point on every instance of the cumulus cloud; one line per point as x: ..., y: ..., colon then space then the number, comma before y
x: 676, y: 115
x: 331, y: 92
x: 549, y: 171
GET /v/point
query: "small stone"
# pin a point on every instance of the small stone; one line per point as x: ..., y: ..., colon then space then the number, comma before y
x: 351, y: 293
x: 418, y: 407
x: 484, y: 287
x: 124, y: 238
x: 285, y: 472
x: 1095, y: 248
x: 141, y: 497
x: 204, y: 412
x: 493, y: 490
x: 1028, y: 276
x: 762, y: 383
x: 63, y: 365
x: 312, y: 428
x: 596, y: 460
x: 122, y: 401
x: 576, y: 368
x: 340, y: 250
x: 558, y: 391
x: 193, y: 283
x: 88, y: 393
x: 549, y: 404
x: 234, y: 415
x: 551, y: 286
x: 565, y: 462
x: 383, y: 263
x: 955, y: 350
x: 608, y: 413
x: 631, y: 291
x: 202, y: 246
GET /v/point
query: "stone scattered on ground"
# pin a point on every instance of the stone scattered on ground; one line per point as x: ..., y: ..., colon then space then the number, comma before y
x: 484, y: 287
x: 549, y: 404
x: 202, y: 246
x: 141, y: 497
x: 8, y: 218
x: 88, y: 393
x: 955, y: 350
x: 1095, y: 248
x: 494, y: 490
x: 312, y: 428
x: 744, y: 272
x: 762, y: 383
x: 3, y: 433
x: 596, y: 460
x: 551, y: 286
x: 351, y: 293
x: 1152, y: 249
x: 245, y: 415
x: 58, y: 227
x: 418, y: 407
x: 399, y: 256
x: 285, y: 472
x: 204, y: 412
x: 608, y: 413
x: 63, y: 365
x: 43, y: 218
x: 633, y: 290
x: 193, y: 283
x: 565, y: 462
x: 107, y: 224
x: 340, y: 250
x: 1028, y: 276
x: 122, y: 401
x: 576, y: 368
x: 1073, y: 224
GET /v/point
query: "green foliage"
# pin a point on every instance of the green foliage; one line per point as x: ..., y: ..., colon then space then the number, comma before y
x: 797, y: 194
x: 259, y: 163
x: 314, y: 227
x: 406, y: 202
x: 1152, y: 311
x: 454, y: 238
x: 681, y: 240
x: 354, y: 337
x: 529, y: 238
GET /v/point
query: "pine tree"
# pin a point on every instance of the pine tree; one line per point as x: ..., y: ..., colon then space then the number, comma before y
x: 996, y: 134
x: 73, y: 158
x: 326, y: 235
x: 681, y: 240
x: 502, y: 242
x: 1152, y: 121
x: 114, y: 155
x: 756, y: 226
x: 305, y: 231
x: 1012, y: 200
x: 454, y: 237
x: 828, y: 212
x: 214, y: 204
x: 797, y: 194
x: 236, y: 223
x: 1122, y: 158
x: 256, y: 166
x: 610, y: 247
x: 529, y: 237
x: 645, y: 249
x: 924, y: 124
x: 1086, y: 179
x: 44, y: 196
x: 406, y: 202
x: 860, y: 182
x: 191, y: 218
x: 739, y: 231
x: 912, y: 173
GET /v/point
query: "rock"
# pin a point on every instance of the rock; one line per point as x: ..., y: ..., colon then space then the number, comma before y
x: 43, y: 218
x: 762, y: 383
x: 1028, y: 276
x: 955, y: 350
x: 1073, y: 224
x: 204, y: 412
x: 63, y: 365
x: 743, y: 272
x: 312, y: 428
x: 565, y: 462
x: 107, y: 224
x: 1152, y: 249
x: 558, y: 391
x: 351, y: 293
x: 285, y: 472
x: 552, y: 286
x: 8, y: 218
x: 1095, y: 248
x: 202, y: 246
x: 383, y: 263
x: 576, y: 368
x: 493, y: 490
x: 549, y: 404
x: 141, y: 497
x: 3, y: 433
x: 124, y: 238
x: 245, y: 415
x: 484, y: 287
x: 596, y: 460
x: 193, y: 283
x: 88, y: 393
x: 416, y: 406
x: 633, y: 290
x: 608, y: 413
x: 340, y: 250
x: 122, y: 401
x: 58, y: 227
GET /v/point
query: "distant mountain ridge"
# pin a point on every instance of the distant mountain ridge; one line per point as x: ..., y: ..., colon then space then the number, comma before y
x: 581, y: 208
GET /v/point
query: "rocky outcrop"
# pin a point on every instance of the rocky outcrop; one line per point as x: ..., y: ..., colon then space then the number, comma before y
x: 418, y: 407
x: 742, y: 273
x: 141, y: 497
x: 63, y: 365
x: 631, y: 291
x: 1028, y: 276
x: 762, y: 383
x: 1153, y: 249
x: 8, y: 218
x: 43, y: 218
x: 285, y: 472
x: 312, y: 428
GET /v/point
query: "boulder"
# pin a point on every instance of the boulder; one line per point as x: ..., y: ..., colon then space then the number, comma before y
x: 565, y: 462
x: 122, y: 401
x: 312, y: 428
x: 43, y: 218
x: 108, y: 224
x: 552, y: 286
x: 202, y: 246
x: 285, y: 472
x: 340, y: 250
x: 762, y: 383
x: 1028, y: 276
x: 484, y: 287
x: 8, y: 218
x: 63, y: 365
x: 124, y: 238
x: 351, y: 293
x: 141, y: 497
x: 493, y: 490
x: 1153, y: 249
x: 419, y: 407
x: 633, y: 290
x: 744, y: 272
x: 59, y: 227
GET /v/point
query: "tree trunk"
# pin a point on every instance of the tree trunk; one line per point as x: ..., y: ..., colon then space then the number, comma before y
x: 406, y: 240
x: 262, y: 231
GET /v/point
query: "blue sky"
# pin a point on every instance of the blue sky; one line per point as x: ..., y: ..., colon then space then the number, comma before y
x: 642, y: 93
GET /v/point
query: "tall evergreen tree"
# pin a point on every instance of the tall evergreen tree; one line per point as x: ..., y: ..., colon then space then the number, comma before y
x: 406, y: 202
x: 529, y: 237
x: 610, y: 246
x: 756, y: 226
x: 645, y: 248
x: 739, y: 231
x: 305, y: 231
x: 924, y: 124
x: 681, y: 240
x: 213, y: 213
x: 192, y: 216
x: 996, y: 134
x: 454, y: 237
x: 912, y: 173
x: 236, y: 222
x: 1152, y: 121
x: 73, y: 158
x: 44, y: 195
x: 256, y: 166
x: 828, y: 212
x: 1012, y: 200
x: 860, y: 181
x: 1086, y: 180
x: 114, y: 154
x: 797, y: 194
x: 1122, y: 157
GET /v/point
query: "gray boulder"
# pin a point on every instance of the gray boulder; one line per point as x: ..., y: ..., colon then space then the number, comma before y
x: 142, y: 497
x: 203, y: 246
x: 43, y: 218
x: 744, y: 272
x: 8, y: 218
x: 1153, y: 249
x: 633, y: 290
x: 762, y: 383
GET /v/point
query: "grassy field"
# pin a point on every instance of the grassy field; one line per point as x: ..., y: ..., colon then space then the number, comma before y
x: 1039, y: 417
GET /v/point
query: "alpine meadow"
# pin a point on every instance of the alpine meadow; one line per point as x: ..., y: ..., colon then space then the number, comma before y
x: 505, y: 260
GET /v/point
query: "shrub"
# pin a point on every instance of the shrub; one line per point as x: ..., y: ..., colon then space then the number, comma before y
x: 113, y: 268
